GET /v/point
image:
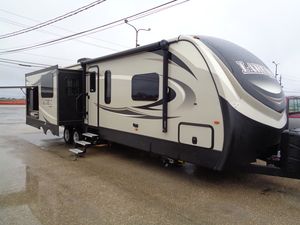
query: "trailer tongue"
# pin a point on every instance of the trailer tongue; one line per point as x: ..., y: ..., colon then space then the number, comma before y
x: 286, y: 163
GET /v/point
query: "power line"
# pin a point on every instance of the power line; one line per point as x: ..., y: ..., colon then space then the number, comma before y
x: 38, y: 26
x: 23, y: 25
x: 97, y: 29
x: 159, y: 10
x: 297, y: 80
x: 19, y: 15
x: 12, y: 22
x: 291, y: 78
x: 50, y: 57
x: 24, y: 68
x: 58, y: 35
x: 23, y: 63
x: 52, y: 33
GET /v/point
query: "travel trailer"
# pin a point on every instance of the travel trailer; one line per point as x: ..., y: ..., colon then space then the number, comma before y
x: 195, y: 99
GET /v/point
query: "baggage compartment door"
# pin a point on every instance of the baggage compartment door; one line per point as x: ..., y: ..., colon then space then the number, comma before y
x: 199, y: 135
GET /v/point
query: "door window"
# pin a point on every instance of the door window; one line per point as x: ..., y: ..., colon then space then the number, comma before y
x: 72, y: 86
x: 47, y: 85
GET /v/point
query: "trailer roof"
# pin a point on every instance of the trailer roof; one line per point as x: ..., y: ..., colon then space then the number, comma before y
x: 150, y: 47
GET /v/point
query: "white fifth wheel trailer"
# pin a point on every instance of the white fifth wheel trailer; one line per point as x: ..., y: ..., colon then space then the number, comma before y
x: 196, y: 99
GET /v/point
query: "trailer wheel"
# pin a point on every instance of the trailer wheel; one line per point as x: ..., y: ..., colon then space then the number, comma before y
x: 77, y: 135
x: 68, y: 135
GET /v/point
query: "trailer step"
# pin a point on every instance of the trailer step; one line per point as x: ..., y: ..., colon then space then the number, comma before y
x: 90, y: 135
x: 83, y: 143
x: 76, y: 150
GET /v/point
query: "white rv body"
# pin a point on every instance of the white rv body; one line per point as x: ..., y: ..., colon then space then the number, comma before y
x: 200, y: 112
x: 193, y: 98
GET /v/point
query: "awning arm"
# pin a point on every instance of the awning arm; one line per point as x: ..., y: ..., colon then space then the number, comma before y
x: 21, y: 87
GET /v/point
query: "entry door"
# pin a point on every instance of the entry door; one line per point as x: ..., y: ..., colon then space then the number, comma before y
x: 92, y: 100
x: 70, y: 96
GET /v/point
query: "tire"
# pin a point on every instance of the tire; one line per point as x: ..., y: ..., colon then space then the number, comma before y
x: 77, y: 135
x: 68, y: 135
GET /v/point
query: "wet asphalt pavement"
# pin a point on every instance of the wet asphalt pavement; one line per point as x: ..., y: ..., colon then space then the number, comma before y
x: 40, y: 183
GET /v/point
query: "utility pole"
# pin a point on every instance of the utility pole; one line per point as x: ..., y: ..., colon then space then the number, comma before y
x: 276, y: 74
x: 136, y: 32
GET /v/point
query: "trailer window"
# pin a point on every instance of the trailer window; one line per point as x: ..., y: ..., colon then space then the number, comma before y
x: 92, y: 81
x: 72, y: 86
x: 145, y: 87
x: 294, y: 105
x: 107, y: 87
x: 47, y: 85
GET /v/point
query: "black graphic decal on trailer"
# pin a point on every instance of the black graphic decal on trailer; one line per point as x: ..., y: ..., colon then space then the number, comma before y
x: 125, y: 111
x: 177, y: 61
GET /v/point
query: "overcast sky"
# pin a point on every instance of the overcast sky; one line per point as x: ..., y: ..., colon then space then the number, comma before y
x: 270, y: 29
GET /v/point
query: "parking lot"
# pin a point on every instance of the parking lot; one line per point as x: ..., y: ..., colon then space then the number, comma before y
x: 41, y: 183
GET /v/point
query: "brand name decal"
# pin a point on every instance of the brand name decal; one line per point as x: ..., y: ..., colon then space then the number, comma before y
x: 253, y: 68
x: 47, y: 102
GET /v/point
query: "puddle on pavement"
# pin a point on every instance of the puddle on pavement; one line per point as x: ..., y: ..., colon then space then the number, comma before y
x: 14, y: 180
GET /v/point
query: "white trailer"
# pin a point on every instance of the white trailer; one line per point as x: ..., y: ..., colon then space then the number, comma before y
x: 196, y: 99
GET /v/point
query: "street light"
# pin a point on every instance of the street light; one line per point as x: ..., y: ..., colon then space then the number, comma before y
x: 136, y: 32
x: 276, y: 74
x: 276, y: 64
